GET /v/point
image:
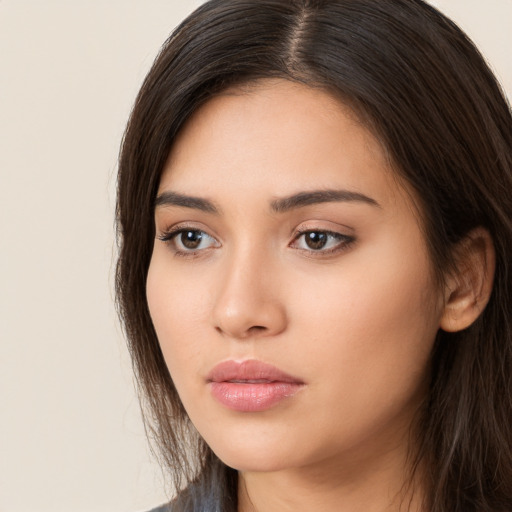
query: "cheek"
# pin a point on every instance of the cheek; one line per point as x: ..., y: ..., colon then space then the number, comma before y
x: 376, y: 319
x: 366, y: 339
x: 177, y: 307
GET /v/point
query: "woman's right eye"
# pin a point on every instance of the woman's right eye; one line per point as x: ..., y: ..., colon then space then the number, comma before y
x: 188, y: 241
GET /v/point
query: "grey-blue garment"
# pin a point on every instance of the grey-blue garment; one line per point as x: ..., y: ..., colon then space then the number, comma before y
x: 213, y: 491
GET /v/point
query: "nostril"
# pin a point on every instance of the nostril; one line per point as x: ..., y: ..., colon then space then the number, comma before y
x: 252, y: 330
x: 257, y: 328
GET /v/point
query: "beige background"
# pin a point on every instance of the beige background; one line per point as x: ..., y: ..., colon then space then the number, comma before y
x: 70, y: 433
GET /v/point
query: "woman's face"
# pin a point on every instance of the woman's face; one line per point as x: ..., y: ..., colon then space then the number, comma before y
x: 290, y: 285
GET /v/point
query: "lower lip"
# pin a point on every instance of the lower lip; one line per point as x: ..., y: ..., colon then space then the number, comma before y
x: 252, y: 397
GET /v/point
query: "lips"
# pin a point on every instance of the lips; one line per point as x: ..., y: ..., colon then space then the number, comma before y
x: 251, y: 386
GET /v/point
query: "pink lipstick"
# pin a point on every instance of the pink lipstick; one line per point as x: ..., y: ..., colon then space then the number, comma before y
x: 251, y: 386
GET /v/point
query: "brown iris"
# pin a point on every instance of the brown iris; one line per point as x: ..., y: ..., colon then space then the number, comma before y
x: 191, y: 239
x: 315, y: 240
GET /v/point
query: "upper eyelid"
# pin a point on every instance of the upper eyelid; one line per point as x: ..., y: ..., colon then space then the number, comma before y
x: 296, y: 232
x: 299, y: 232
x: 181, y: 226
x: 334, y: 234
x: 324, y: 225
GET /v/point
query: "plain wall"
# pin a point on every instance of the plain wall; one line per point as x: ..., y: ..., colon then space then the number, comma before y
x: 70, y: 432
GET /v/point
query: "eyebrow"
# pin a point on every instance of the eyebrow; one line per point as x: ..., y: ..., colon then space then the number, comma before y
x: 303, y: 199
x: 282, y: 205
x: 174, y: 199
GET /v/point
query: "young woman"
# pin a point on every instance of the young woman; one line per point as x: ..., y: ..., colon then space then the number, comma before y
x: 315, y: 271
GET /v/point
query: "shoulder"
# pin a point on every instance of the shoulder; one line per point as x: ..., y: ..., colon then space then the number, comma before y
x: 162, y: 508
x: 181, y: 503
x: 188, y: 501
x: 210, y: 492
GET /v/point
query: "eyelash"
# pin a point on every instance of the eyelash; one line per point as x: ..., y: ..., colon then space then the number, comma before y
x: 169, y: 237
x: 343, y: 241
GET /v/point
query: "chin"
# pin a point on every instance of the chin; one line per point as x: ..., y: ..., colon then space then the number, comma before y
x: 250, y: 456
x: 261, y: 461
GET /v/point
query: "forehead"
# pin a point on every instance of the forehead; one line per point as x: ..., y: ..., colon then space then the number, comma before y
x: 278, y: 137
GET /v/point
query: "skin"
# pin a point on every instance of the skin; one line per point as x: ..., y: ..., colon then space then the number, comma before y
x: 355, y: 324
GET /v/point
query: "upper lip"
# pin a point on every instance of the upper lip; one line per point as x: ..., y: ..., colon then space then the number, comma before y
x: 249, y: 371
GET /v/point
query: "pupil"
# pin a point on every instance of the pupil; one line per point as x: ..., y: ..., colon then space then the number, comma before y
x: 316, y: 240
x: 191, y: 239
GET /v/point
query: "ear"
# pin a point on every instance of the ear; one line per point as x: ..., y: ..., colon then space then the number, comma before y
x: 468, y: 291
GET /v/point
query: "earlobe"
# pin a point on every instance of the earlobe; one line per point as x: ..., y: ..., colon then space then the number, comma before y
x: 468, y: 291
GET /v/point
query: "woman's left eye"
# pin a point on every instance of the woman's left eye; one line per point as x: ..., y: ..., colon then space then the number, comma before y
x: 321, y: 241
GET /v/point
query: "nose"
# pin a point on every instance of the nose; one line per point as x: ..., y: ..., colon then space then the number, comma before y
x: 249, y: 303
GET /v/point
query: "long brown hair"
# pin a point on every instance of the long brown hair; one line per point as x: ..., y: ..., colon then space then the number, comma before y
x: 423, y: 88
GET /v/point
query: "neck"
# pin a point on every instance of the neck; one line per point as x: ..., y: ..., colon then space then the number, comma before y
x: 331, y: 485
